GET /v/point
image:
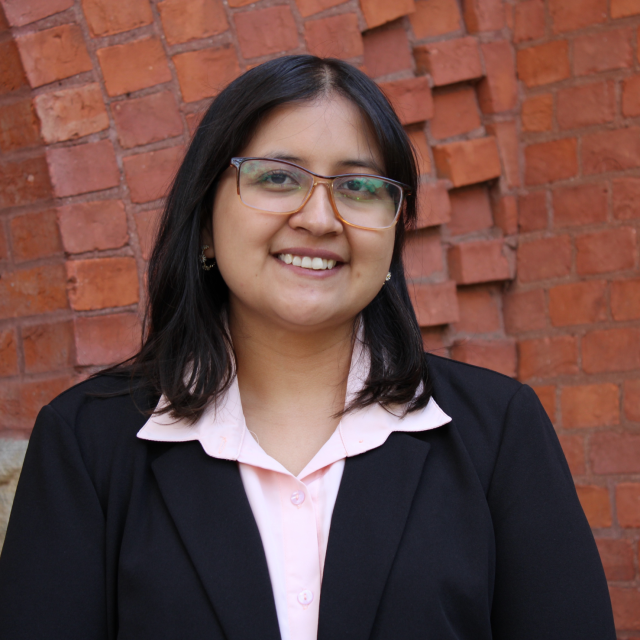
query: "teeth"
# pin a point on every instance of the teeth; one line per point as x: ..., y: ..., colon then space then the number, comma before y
x: 297, y: 261
x: 317, y: 264
x: 306, y: 262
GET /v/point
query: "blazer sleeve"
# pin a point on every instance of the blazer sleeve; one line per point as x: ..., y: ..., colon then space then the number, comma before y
x: 549, y: 580
x: 52, y: 568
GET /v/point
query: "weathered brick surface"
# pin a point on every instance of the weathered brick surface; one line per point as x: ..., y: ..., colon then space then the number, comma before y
x: 335, y: 36
x: 266, y: 31
x: 434, y: 206
x: 185, y: 20
x: 544, y: 258
x: 547, y: 357
x: 18, y: 126
x: 470, y: 210
x: 106, y: 17
x: 423, y: 254
x: 454, y: 112
x: 625, y: 299
x: 377, y: 12
x: 8, y: 353
x: 499, y: 355
x: 48, y: 347
x: 544, y: 63
x: 411, y: 98
x: 35, y: 235
x: 498, y: 90
x: 385, y: 51
x: 450, y: 61
x: 569, y: 16
x: 590, y: 405
x: 615, y: 452
x: 537, y: 113
x: 12, y: 75
x: 24, y: 182
x: 32, y: 291
x: 468, y: 162
x: 584, y: 204
x: 529, y: 20
x: 551, y: 161
x: 149, y: 174
x: 434, y: 304
x: 578, y: 303
x: 483, y: 15
x: 480, y: 261
x: 596, y: 504
x: 435, y: 18
x: 19, y: 12
x: 585, y: 105
x: 611, y: 49
x: 106, y: 339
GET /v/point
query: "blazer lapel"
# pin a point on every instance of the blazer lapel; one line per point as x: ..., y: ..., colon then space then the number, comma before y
x: 211, y: 511
x: 368, y: 520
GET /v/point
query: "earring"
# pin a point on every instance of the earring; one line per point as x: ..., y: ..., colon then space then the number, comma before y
x: 388, y: 277
x: 203, y: 259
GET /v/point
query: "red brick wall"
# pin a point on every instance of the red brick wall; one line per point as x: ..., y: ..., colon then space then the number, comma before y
x: 526, y: 115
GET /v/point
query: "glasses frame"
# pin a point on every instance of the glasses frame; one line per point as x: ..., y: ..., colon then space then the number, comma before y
x: 328, y: 181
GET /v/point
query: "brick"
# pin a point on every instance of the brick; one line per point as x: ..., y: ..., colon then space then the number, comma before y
x: 101, y: 340
x: 53, y: 54
x: 628, y: 506
x: 532, y: 211
x: 8, y: 353
x: 102, y: 283
x: 626, y: 198
x: 450, y: 61
x: 141, y: 121
x: 547, y: 357
x: 83, y: 168
x: 547, y: 396
x: 435, y: 304
x: 505, y: 214
x: 573, y: 449
x: 498, y: 355
x: 4, y: 25
x: 19, y: 12
x: 468, y: 161
x: 410, y: 98
x: 626, y: 607
x: 524, y: 311
x: 24, y: 182
x: 146, y: 225
x: 624, y: 8
x: 29, y: 292
x: 305, y: 7
x: 149, y: 175
x: 385, y: 51
x: 590, y: 405
x: 569, y: 16
x: 433, y: 340
x: 35, y: 235
x: 263, y: 32
x: 106, y: 17
x: 48, y: 347
x: 611, y: 350
x: 93, y: 226
x: 544, y: 63
x: 611, y: 150
x: 3, y: 244
x: 335, y: 36
x: 498, y: 90
x: 604, y: 251
x: 134, y: 65
x: 470, y: 210
x: 421, y: 147
x: 631, y: 403
x: 454, y: 112
x: 12, y: 76
x: 422, y: 254
x: 617, y: 558
x: 204, y: 73
x: 586, y: 105
x: 71, y: 113
x: 615, y: 452
x: 578, y: 303
x: 377, y: 12
x: 529, y: 21
x: 185, y: 20
x: 551, y: 161
x: 435, y: 18
x: 625, y: 299
x: 483, y: 15
x: 19, y: 126
x: 479, y: 310
x: 603, y: 51
x: 434, y: 206
x: 631, y: 97
x: 193, y: 120
x: 506, y: 135
x: 596, y: 505
x: 537, y: 113
x: 584, y: 204
x: 480, y: 261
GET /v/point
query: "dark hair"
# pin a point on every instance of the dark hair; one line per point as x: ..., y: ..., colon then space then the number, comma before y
x: 187, y: 353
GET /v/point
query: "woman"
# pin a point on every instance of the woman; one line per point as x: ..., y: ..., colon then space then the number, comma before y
x: 281, y: 460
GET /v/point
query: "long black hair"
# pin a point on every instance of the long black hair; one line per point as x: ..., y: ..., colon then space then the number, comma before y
x: 187, y: 354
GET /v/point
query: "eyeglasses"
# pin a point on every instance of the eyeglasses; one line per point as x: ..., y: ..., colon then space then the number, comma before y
x: 359, y: 200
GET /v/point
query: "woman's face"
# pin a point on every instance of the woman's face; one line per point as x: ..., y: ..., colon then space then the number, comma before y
x: 328, y: 137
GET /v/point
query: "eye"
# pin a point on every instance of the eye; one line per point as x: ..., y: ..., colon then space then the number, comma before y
x: 278, y: 179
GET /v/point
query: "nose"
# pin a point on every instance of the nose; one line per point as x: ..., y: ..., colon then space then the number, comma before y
x: 317, y: 216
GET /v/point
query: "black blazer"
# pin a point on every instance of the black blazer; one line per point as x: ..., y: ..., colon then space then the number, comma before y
x: 470, y: 531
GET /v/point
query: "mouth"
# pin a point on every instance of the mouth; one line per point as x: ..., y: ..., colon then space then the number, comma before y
x: 314, y: 263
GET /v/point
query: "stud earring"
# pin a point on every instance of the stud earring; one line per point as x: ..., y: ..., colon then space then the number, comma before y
x: 203, y: 259
x: 388, y: 277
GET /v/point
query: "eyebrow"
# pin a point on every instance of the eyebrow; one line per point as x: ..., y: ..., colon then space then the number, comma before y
x: 355, y: 162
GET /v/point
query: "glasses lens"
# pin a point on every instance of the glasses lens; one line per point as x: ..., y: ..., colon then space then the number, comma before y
x: 367, y: 201
x: 273, y: 186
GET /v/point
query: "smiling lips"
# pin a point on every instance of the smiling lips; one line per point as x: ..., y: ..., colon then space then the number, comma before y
x: 306, y: 262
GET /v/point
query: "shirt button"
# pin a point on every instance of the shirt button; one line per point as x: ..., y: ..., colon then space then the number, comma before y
x: 297, y: 498
x: 305, y: 597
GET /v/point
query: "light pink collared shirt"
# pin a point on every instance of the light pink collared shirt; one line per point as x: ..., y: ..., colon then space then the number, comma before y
x: 293, y: 514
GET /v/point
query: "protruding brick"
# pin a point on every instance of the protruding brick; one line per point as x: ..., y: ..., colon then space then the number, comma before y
x: 479, y: 310
x: 411, y: 99
x: 19, y: 12
x: 83, y: 168
x: 48, y: 347
x: 532, y: 211
x: 611, y: 150
x: 483, y: 15
x: 596, y: 505
x: 102, y: 283
x: 377, y: 12
x: 422, y: 254
x: 434, y: 206
x: 604, y: 251
x: 617, y: 558
x: 573, y: 449
x: 611, y: 350
x: 631, y: 97
x: 578, y: 303
x: 106, y: 17
x: 205, y: 72
x: 626, y: 198
x: 615, y: 452
x: 93, y: 226
x: 544, y: 258
x: 149, y: 174
x: 335, y: 36
x: 628, y: 506
x: 624, y: 8
x: 71, y: 113
x: 435, y: 304
x: 585, y: 105
x: 498, y: 90
x: 468, y: 161
x: 603, y: 51
x: 569, y: 16
x: 544, y: 64
x: 146, y: 225
x: 8, y: 353
x: 498, y: 355
x: 30, y: 292
x: 35, y: 235
x: 470, y: 210
x: 24, y: 182
x: 631, y: 402
x: 53, y: 54
x: 134, y: 65
x: 12, y: 74
x: 480, y: 261
x: 421, y: 146
x: 537, y: 112
x: 547, y: 357
x: 101, y: 340
x: 529, y: 21
x: 450, y: 61
x: 505, y: 214
x: 185, y: 20
x: 19, y: 126
x: 590, y: 405
x: 625, y: 299
x: 435, y: 18
x: 305, y: 7
x: 506, y: 135
x: 626, y: 607
x: 263, y: 32
x: 386, y: 51
x: 455, y: 112
x: 551, y: 161
x: 524, y: 311
x: 144, y: 120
